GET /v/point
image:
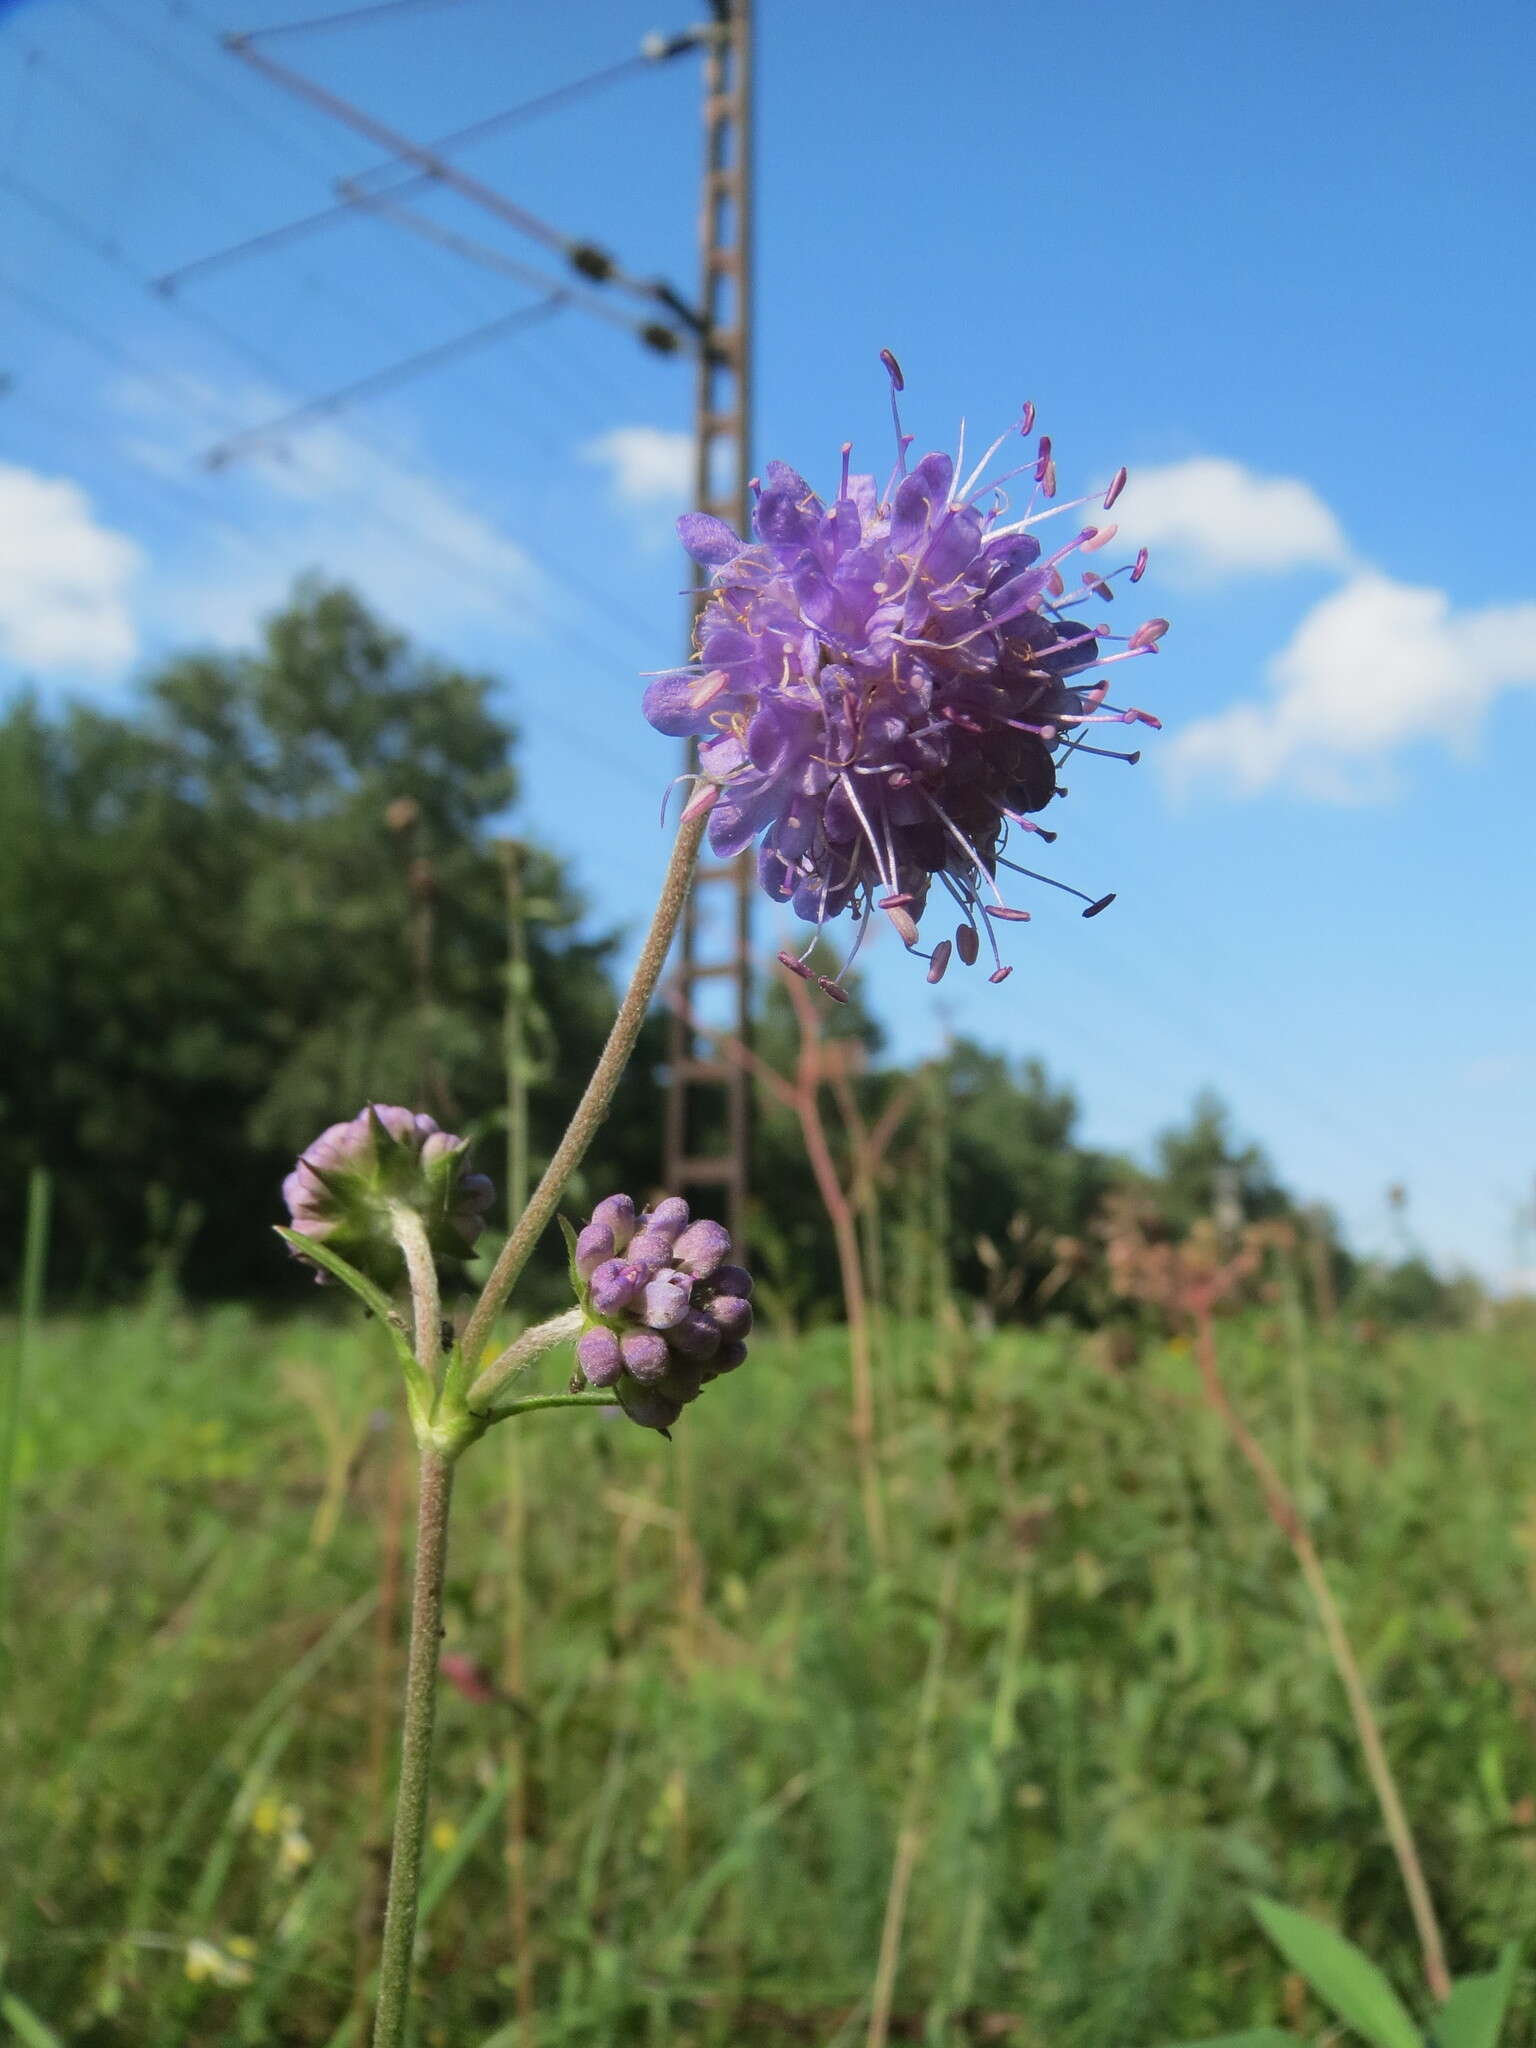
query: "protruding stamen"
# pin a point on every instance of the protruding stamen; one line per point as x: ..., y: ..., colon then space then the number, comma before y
x: 893, y: 370
x: 1104, y: 753
x: 967, y: 943
x: 1139, y: 566
x: 1000, y: 973
x: 830, y: 988
x: 842, y: 490
x: 1042, y: 459
x: 904, y: 922
x: 1103, y: 904
x: 1006, y: 912
x: 1051, y: 882
x: 796, y: 966
x: 1146, y: 635
x: 1116, y: 486
x: 898, y: 902
x: 1027, y: 419
x: 938, y: 961
x: 1098, y: 537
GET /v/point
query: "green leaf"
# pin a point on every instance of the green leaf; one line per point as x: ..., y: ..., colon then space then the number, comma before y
x: 1473, y: 2014
x: 578, y: 1285
x: 1343, y: 1978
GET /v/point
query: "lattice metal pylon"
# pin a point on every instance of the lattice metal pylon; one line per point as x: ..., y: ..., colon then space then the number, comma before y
x: 708, y: 1131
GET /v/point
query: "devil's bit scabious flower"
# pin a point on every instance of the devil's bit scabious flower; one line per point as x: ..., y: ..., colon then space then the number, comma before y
x: 884, y: 688
x: 665, y: 1312
x: 343, y: 1189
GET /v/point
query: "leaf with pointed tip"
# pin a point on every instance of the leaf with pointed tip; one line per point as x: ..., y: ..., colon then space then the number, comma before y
x: 1344, y: 1978
x: 1474, y: 2013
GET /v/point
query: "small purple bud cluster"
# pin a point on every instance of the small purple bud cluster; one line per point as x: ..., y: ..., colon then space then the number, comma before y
x: 346, y: 1183
x: 666, y: 1313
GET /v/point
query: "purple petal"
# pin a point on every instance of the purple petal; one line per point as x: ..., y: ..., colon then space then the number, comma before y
x: 708, y: 540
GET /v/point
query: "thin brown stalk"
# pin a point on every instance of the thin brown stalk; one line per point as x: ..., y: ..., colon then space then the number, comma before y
x: 1286, y: 1514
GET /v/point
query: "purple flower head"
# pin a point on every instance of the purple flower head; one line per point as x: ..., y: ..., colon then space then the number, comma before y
x: 886, y: 686
x: 347, y: 1182
x: 663, y: 1317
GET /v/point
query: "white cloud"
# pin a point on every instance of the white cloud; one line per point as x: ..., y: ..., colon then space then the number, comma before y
x: 352, y: 509
x: 1371, y: 668
x: 1217, y: 518
x: 647, y: 465
x: 65, y: 579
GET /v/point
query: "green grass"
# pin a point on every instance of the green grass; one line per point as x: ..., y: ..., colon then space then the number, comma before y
x: 1090, y: 1684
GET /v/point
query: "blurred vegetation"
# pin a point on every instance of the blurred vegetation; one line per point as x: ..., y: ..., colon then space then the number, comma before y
x: 1088, y: 1693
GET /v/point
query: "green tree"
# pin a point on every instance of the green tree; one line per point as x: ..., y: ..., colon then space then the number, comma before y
x: 264, y: 896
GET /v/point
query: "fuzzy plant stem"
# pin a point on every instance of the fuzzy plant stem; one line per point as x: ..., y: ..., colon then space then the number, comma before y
x: 415, y: 1750
x: 598, y: 1098
x: 426, y: 1302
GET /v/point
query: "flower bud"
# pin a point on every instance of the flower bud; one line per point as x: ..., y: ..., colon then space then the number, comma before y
x: 664, y: 1318
x: 645, y: 1354
x: 648, y: 1406
x: 695, y: 1336
x: 702, y: 1247
x: 614, y: 1284
x: 348, y: 1183
x: 618, y: 1213
x: 598, y: 1355
x: 668, y: 1217
x: 651, y: 1248
x: 666, y: 1299
x: 594, y: 1245
x: 730, y: 1314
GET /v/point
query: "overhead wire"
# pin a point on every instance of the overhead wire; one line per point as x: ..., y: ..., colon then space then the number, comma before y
x: 561, y: 631
x: 349, y: 17
x: 420, y: 180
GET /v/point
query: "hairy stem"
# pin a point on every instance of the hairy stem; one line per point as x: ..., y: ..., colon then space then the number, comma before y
x: 522, y: 1352
x: 595, y: 1103
x: 1287, y: 1517
x: 415, y: 1750
x: 426, y: 1303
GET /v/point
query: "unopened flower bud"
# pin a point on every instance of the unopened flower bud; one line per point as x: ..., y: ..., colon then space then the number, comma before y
x: 729, y: 1356
x: 598, y: 1355
x: 645, y: 1354
x: 731, y: 1280
x: 702, y: 1247
x: 348, y: 1185
x: 614, y: 1285
x: 666, y: 1299
x: 695, y: 1336
x: 648, y: 1406
x: 594, y: 1245
x: 618, y: 1213
x: 668, y: 1217
x: 651, y: 1248
x: 731, y: 1315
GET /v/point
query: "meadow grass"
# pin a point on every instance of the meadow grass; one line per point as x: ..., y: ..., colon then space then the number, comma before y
x: 1013, y: 1788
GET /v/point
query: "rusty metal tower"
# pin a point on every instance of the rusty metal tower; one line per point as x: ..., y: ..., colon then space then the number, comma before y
x: 708, y: 1129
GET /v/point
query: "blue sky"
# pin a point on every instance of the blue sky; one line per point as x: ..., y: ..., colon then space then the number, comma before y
x: 1271, y: 259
